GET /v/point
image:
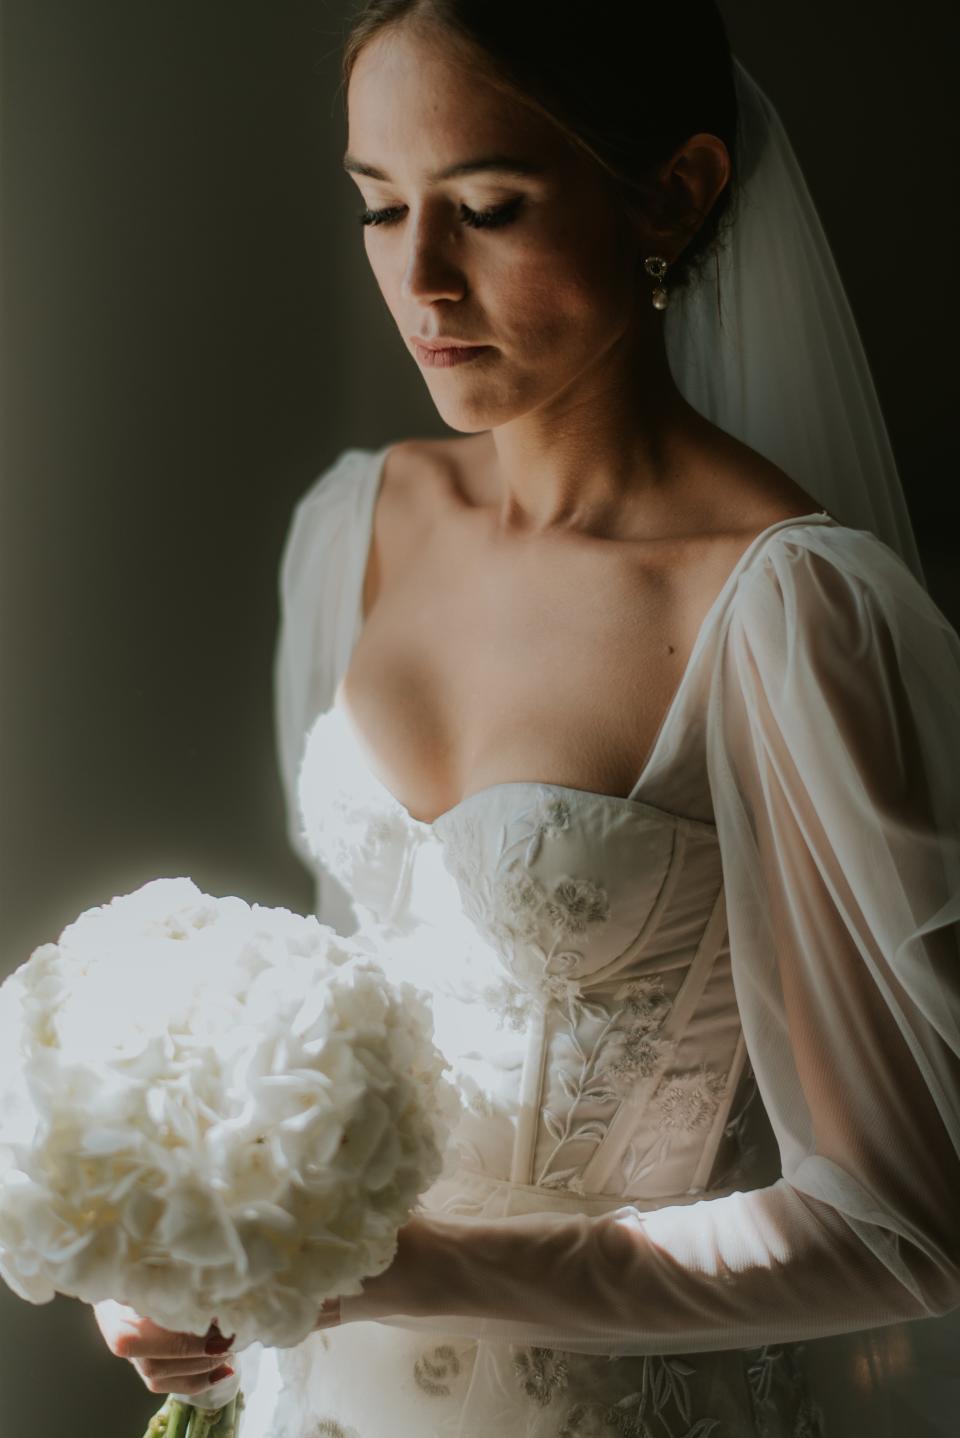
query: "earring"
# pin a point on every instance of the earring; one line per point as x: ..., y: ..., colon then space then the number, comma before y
x: 656, y: 266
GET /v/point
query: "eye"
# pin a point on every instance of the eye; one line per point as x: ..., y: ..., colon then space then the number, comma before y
x: 477, y: 219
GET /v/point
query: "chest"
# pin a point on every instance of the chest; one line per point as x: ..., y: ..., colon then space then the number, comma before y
x: 481, y: 662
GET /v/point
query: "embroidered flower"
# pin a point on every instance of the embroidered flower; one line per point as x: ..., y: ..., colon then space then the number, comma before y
x: 520, y: 900
x: 575, y: 903
x: 644, y: 998
x: 588, y: 1421
x: 551, y: 815
x: 567, y: 1179
x: 429, y: 1371
x: 688, y: 1100
x: 779, y: 1388
x: 633, y: 1054
x: 509, y: 1002
x: 557, y: 987
x: 662, y: 1400
x: 541, y: 1372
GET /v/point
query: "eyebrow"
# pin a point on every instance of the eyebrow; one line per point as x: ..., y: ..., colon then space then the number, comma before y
x: 502, y: 164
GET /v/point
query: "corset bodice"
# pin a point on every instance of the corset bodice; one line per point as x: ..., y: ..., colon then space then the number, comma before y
x: 573, y: 946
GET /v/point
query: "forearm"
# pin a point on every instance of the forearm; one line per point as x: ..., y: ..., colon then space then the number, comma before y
x: 749, y: 1268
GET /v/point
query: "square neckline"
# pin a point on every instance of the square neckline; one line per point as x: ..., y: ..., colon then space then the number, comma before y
x: 376, y: 465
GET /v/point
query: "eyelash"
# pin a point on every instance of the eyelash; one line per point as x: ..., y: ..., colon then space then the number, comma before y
x: 477, y: 219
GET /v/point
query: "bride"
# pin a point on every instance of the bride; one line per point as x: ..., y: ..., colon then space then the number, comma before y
x: 704, y: 1020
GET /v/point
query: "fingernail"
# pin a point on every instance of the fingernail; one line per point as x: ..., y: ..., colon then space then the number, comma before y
x: 218, y: 1345
x: 224, y: 1371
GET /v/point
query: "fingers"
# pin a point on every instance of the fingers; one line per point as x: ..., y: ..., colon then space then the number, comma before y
x: 179, y: 1368
x: 166, y: 1376
x: 144, y: 1339
x: 130, y: 1336
x: 167, y: 1362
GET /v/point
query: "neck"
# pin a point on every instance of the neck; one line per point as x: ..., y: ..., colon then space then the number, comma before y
x: 615, y: 434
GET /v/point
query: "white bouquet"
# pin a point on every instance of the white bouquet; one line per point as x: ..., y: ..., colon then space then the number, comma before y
x: 211, y: 1109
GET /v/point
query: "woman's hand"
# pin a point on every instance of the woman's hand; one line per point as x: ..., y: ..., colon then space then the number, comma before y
x: 167, y: 1362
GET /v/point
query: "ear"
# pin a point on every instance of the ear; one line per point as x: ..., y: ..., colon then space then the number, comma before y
x: 689, y: 184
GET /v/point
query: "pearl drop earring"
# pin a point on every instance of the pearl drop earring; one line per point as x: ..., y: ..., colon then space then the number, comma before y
x: 656, y: 266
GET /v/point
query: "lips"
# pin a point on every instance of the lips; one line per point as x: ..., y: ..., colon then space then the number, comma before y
x: 444, y: 342
x: 442, y: 356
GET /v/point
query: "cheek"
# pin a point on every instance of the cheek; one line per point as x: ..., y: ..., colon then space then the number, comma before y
x: 560, y: 298
x: 556, y: 291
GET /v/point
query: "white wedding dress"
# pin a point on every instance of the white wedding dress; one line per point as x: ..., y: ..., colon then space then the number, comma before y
x: 706, y: 1180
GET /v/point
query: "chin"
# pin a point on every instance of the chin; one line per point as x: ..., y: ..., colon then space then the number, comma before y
x: 465, y: 417
x: 484, y: 410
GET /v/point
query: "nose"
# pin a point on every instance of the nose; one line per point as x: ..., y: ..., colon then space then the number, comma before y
x: 432, y: 270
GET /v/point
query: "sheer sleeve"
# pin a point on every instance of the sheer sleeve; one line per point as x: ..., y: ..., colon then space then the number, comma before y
x: 317, y: 577
x: 832, y: 729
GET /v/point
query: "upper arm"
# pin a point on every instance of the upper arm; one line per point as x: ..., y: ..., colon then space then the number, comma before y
x: 836, y: 800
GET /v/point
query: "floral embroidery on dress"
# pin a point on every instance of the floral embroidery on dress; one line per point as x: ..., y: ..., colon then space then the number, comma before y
x: 638, y: 1051
x: 778, y: 1388
x: 540, y: 1372
x: 429, y: 1371
x: 682, y: 1103
x: 616, y: 1060
x: 662, y: 1406
x: 590, y: 1086
x: 575, y: 903
x: 509, y: 1002
x: 552, y: 814
x: 528, y: 922
x: 330, y: 1428
x: 688, y: 1100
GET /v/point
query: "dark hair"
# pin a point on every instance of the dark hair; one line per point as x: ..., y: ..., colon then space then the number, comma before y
x: 625, y: 102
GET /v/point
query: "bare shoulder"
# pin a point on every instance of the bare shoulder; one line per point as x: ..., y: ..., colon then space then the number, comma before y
x: 412, y: 477
x: 419, y: 478
x: 735, y: 496
x: 737, y: 491
x: 428, y: 471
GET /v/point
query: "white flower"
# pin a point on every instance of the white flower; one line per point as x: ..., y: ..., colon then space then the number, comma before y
x: 211, y: 1109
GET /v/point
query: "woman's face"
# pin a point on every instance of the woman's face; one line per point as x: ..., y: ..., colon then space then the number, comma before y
x: 548, y: 285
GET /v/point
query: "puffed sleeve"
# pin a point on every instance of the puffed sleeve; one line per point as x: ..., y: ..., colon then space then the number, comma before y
x: 833, y: 727
x: 317, y: 584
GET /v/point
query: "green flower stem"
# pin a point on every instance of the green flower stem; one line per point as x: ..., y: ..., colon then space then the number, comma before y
x: 170, y: 1421
x: 157, y: 1427
x: 226, y: 1424
x: 203, y: 1422
x: 178, y: 1424
x: 182, y: 1420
